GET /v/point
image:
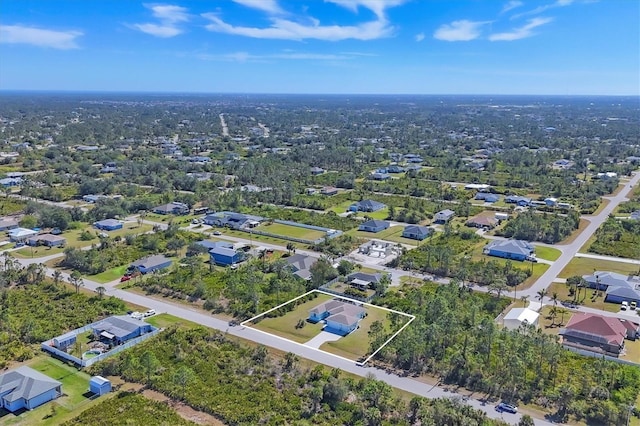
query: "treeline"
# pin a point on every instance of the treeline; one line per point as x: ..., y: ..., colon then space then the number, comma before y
x: 455, y: 337
x: 31, y: 313
x: 620, y: 238
x: 544, y: 227
x: 449, y: 254
x: 248, y: 386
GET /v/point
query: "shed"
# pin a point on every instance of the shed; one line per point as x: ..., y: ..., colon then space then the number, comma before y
x: 64, y: 341
x: 98, y: 385
x: 518, y: 316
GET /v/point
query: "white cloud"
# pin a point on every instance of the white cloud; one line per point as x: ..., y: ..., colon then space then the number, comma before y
x: 269, y: 6
x: 538, y: 10
x: 463, y: 30
x: 169, y: 16
x: 419, y: 37
x: 511, y: 5
x: 522, y: 32
x: 288, y: 55
x: 284, y: 29
x: 18, y: 34
x: 376, y: 6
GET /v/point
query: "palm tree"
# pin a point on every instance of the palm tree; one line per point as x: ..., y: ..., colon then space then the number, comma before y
x: 554, y: 298
x: 57, y: 277
x: 101, y: 291
x: 540, y: 295
x: 76, y: 280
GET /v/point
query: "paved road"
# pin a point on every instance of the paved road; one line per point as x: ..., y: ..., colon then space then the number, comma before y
x: 197, y: 316
x: 609, y: 258
x: 570, y: 250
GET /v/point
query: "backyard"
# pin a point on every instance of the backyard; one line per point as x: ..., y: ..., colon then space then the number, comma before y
x: 291, y: 231
x: 285, y: 325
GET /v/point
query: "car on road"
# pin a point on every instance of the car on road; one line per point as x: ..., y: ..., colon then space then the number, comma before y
x: 233, y: 323
x: 125, y: 278
x: 217, y: 233
x: 504, y: 407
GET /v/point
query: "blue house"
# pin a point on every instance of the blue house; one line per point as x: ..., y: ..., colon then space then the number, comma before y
x: 98, y: 385
x: 517, y: 199
x: 340, y: 317
x: 487, y: 197
x: 395, y: 169
x: 510, y: 249
x: 119, y: 329
x: 150, y: 264
x: 26, y: 388
x: 416, y: 232
x: 618, y: 287
x: 225, y: 256
x: 374, y: 226
x: 367, y: 206
x: 8, y: 224
x: 9, y: 182
x: 108, y: 224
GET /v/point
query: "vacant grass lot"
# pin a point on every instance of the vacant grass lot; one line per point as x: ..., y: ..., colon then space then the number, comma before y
x: 547, y: 253
x: 285, y: 326
x: 292, y: 231
x: 73, y: 239
x: 585, y: 265
x: 257, y: 239
x: 109, y: 275
x: 166, y: 320
x: 75, y: 385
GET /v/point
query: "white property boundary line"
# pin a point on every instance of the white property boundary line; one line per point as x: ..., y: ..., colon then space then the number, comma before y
x: 411, y: 318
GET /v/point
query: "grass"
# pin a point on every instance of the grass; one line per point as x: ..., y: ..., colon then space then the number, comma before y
x: 166, y: 320
x: 548, y: 325
x: 356, y: 344
x: 109, y: 275
x: 632, y: 348
x: 586, y: 298
x: 73, y: 240
x: 256, y: 239
x: 75, y: 384
x: 585, y: 265
x: 292, y: 231
x: 285, y: 326
x: 393, y: 234
x: 547, y: 253
x: 342, y: 207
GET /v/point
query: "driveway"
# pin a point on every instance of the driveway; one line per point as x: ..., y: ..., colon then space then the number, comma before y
x: 321, y: 338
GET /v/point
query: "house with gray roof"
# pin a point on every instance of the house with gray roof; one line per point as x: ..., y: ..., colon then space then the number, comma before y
x: 300, y: 265
x: 374, y: 225
x: 367, y: 206
x: 635, y: 215
x: 26, y: 388
x: 174, y: 207
x: 340, y: 317
x: 510, y: 249
x: 617, y: 287
x: 150, y: 264
x: 444, y: 216
x: 119, y: 329
x: 8, y: 223
x: 416, y: 232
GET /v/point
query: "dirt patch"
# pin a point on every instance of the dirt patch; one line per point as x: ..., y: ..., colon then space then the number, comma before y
x: 183, y: 410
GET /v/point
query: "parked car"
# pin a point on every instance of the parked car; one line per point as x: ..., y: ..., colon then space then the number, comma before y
x: 509, y: 408
x: 125, y: 278
x: 150, y: 313
x: 136, y: 315
x: 217, y: 233
x: 624, y: 306
x: 633, y: 305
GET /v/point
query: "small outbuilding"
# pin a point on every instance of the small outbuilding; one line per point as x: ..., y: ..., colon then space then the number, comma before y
x: 98, y: 385
x: 516, y: 317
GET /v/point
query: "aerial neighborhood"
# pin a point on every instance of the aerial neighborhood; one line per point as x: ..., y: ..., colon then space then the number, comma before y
x: 143, y: 240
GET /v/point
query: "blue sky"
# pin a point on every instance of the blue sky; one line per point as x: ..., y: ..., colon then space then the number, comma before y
x: 563, y: 47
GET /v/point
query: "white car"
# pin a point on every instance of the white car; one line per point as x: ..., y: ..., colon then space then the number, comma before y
x: 624, y: 305
x: 136, y: 315
x: 150, y: 313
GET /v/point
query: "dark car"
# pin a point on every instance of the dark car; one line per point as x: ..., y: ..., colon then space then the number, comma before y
x: 509, y: 408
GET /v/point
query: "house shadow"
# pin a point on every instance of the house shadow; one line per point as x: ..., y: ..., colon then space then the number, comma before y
x: 4, y: 412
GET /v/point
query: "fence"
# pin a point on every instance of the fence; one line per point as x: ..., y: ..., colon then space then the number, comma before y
x: 599, y: 355
x: 48, y: 347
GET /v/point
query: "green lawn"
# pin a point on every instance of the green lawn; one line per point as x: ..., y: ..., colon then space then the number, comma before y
x: 291, y: 231
x: 342, y: 207
x: 285, y: 326
x: 356, y: 344
x: 547, y: 253
x: 109, y: 275
x: 257, y: 239
x: 166, y: 320
x: 586, y: 297
x: 393, y: 234
x: 585, y: 265
x: 73, y: 239
x: 75, y: 385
